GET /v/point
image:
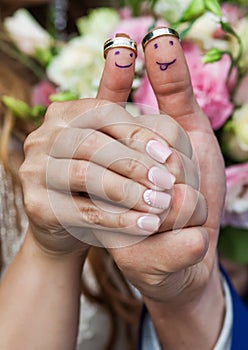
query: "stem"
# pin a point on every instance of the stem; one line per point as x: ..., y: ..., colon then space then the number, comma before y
x: 7, y: 49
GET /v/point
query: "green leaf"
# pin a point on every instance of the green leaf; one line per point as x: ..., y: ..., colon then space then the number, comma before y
x: 99, y: 22
x: 227, y: 28
x: 135, y: 5
x: 212, y: 55
x: 43, y: 56
x: 19, y: 108
x: 38, y: 111
x: 186, y: 30
x: 229, y: 126
x: 195, y: 9
x: 233, y: 243
x: 63, y: 96
x: 213, y: 6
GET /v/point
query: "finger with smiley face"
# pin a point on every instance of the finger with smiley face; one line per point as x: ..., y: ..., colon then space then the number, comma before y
x: 168, y: 73
x: 120, y: 53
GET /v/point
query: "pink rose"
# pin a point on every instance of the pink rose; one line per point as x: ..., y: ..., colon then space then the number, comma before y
x: 236, y: 205
x: 136, y: 28
x: 125, y: 13
x: 145, y: 98
x: 232, y: 13
x: 41, y: 92
x: 209, y: 84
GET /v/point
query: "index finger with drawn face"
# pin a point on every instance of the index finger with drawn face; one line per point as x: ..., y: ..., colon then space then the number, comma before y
x: 120, y: 53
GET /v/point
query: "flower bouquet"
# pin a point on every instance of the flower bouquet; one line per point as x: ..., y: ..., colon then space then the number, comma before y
x: 214, y: 36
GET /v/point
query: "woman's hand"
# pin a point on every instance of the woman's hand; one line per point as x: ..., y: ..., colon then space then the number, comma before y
x: 98, y: 148
x: 90, y: 155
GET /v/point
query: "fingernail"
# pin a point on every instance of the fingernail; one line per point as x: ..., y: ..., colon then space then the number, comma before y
x: 160, y: 200
x: 149, y: 223
x: 161, y: 177
x: 158, y: 150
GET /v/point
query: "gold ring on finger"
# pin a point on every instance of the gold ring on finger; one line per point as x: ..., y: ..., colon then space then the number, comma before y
x: 120, y: 40
x: 161, y: 31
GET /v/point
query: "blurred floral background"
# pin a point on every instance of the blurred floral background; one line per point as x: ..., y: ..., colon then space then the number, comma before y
x: 214, y: 36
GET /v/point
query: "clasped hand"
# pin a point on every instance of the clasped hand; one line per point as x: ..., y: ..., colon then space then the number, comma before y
x: 149, y: 189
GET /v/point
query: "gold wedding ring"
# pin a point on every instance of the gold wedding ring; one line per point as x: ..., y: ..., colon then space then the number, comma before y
x: 158, y: 32
x: 120, y: 40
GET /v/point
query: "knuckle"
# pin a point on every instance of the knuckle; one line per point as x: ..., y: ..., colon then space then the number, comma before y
x: 114, y: 195
x: 92, y: 138
x: 92, y: 215
x: 26, y: 172
x: 131, y: 193
x: 78, y: 174
x: 34, y: 206
x: 30, y: 142
x: 198, y: 244
x: 38, y: 139
x: 136, y: 136
x: 53, y: 108
x: 121, y: 221
x: 32, y: 173
x: 131, y: 166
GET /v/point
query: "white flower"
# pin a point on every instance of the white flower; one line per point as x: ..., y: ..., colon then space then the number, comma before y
x: 236, y: 203
x: 26, y: 33
x: 235, y: 137
x: 203, y: 30
x: 242, y: 31
x: 171, y: 10
x: 99, y: 23
x: 78, y: 67
x: 240, y: 125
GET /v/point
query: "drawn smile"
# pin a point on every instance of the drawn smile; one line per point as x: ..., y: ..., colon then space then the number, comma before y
x: 126, y: 66
x: 164, y: 66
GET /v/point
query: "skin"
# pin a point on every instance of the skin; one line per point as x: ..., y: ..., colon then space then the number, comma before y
x: 158, y: 45
x: 200, y: 280
x: 125, y: 65
x: 176, y: 271
x: 113, y: 90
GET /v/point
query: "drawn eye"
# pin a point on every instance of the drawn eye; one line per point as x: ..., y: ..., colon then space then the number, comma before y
x: 171, y: 42
x: 117, y: 52
x: 131, y: 54
x: 155, y: 46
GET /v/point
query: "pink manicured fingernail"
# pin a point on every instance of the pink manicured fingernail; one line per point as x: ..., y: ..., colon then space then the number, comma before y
x: 161, y: 177
x: 158, y: 150
x: 160, y: 200
x: 149, y: 223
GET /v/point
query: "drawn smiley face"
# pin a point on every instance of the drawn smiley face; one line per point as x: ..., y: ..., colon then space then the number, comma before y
x: 118, y: 53
x: 163, y: 66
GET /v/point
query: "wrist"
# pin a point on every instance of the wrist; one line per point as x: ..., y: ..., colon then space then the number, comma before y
x: 33, y: 249
x: 191, y: 322
x: 69, y: 250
